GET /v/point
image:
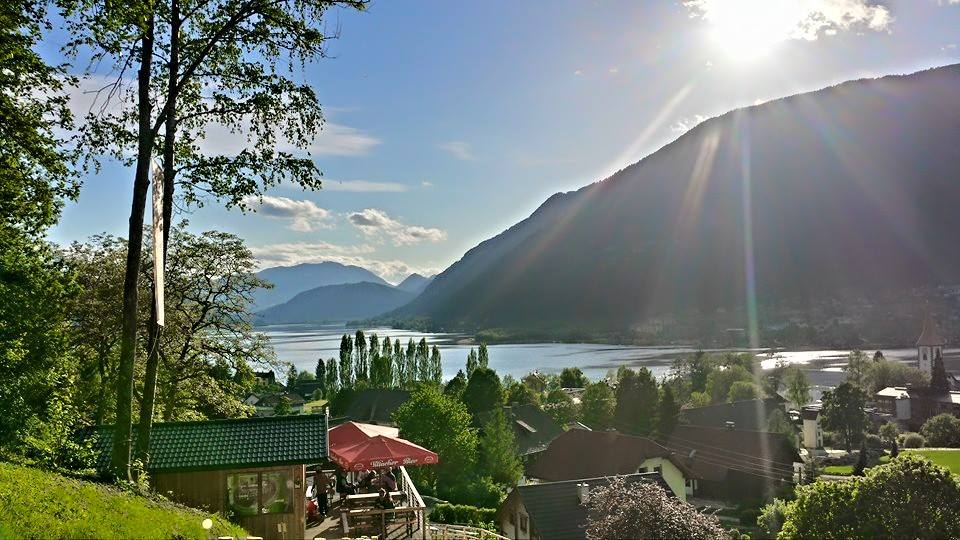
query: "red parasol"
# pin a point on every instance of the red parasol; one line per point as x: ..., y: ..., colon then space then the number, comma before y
x: 350, y: 433
x: 380, y: 452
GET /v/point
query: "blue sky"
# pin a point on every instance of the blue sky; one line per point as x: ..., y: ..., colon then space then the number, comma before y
x: 450, y: 121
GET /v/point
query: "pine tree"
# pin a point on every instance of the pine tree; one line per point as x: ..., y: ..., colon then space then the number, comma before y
x: 669, y: 411
x: 321, y: 373
x: 861, y: 465
x: 483, y: 359
x: 436, y: 367
x: 360, y: 347
x: 499, y: 456
x: 346, y: 362
x: 938, y: 377
x: 471, y: 362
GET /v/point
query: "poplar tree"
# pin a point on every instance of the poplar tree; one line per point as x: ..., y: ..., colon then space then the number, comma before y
x: 423, y: 360
x: 436, y: 368
x: 471, y: 362
x: 346, y: 361
x: 360, y: 347
x: 411, y: 367
x: 199, y: 64
x: 332, y: 379
x: 386, y: 357
x: 483, y: 358
x: 399, y: 364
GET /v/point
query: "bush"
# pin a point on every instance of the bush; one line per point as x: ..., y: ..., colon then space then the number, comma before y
x: 462, y: 514
x: 749, y: 516
x: 943, y: 430
x: 912, y: 440
x: 771, y: 517
x: 37, y: 504
x: 477, y: 490
x: 873, y: 442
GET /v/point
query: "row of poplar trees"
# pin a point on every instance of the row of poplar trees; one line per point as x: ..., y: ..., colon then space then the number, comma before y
x: 369, y: 362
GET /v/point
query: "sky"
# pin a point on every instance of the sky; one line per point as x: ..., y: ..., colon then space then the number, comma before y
x: 448, y: 122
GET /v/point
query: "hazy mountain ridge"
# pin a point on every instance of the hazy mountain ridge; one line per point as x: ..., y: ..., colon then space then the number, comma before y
x: 336, y: 303
x: 415, y: 283
x: 851, y: 186
x: 289, y: 281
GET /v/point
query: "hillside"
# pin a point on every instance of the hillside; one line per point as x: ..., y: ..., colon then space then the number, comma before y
x: 289, y: 281
x: 336, y: 303
x: 414, y: 283
x: 37, y: 504
x: 850, y: 188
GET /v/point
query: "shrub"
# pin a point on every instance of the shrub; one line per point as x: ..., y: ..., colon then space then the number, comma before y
x: 873, y: 442
x: 943, y: 430
x: 749, y: 516
x: 771, y: 517
x: 462, y: 514
x: 912, y: 440
x: 478, y: 490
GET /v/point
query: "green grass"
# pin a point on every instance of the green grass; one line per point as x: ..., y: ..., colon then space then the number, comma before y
x: 841, y: 470
x: 37, y: 504
x: 945, y: 458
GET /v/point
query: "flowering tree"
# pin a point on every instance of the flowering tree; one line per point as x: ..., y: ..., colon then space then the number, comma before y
x: 622, y: 509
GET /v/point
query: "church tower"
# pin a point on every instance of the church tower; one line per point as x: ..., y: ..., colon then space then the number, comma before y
x: 929, y: 345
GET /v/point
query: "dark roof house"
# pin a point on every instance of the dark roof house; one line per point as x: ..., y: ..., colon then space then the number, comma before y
x: 376, y: 405
x: 748, y: 414
x: 554, y: 509
x: 534, y: 428
x: 586, y: 454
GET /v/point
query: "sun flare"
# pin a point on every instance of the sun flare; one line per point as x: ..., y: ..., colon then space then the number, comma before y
x: 750, y: 29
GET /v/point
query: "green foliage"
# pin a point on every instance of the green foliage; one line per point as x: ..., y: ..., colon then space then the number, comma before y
x: 483, y: 357
x: 889, y: 432
x: 346, y: 361
x: 858, y: 365
x: 442, y: 424
x: 669, y: 412
x: 597, y: 405
x: 483, y: 393
x: 908, y: 498
x: 637, y: 398
x: 499, y: 456
x: 883, y: 373
x: 938, y: 377
x: 779, y: 423
x: 843, y: 412
x: 360, y: 367
x: 798, y: 387
x: 772, y: 517
x: 521, y: 394
x: 861, y: 465
x: 720, y: 381
x: 472, y: 488
x: 561, y: 407
x: 572, y: 378
x: 456, y: 385
x: 742, y: 390
x: 462, y: 514
x: 282, y: 408
x: 472, y: 362
x: 699, y: 399
x: 912, y: 440
x: 943, y: 430
x: 37, y: 504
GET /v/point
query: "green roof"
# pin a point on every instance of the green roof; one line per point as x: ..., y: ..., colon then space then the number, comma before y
x: 225, y: 444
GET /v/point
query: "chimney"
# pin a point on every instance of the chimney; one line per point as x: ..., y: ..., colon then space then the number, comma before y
x: 583, y: 492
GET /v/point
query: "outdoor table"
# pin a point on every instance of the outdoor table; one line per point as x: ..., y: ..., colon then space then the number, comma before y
x: 362, y: 500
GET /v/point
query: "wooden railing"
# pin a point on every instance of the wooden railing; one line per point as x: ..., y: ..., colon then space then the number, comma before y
x: 442, y: 531
x: 407, y: 519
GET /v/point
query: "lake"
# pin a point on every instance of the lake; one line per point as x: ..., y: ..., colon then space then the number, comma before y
x: 302, y: 344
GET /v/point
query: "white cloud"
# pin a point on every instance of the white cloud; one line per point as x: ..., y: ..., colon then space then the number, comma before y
x: 292, y: 253
x: 426, y: 184
x: 793, y: 19
x: 686, y: 124
x: 303, y: 215
x: 376, y: 223
x: 458, y: 149
x: 362, y: 186
x: 331, y: 140
x: 578, y: 72
x: 942, y: 2
x: 614, y: 70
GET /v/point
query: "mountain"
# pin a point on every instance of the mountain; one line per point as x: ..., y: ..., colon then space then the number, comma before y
x: 850, y: 188
x: 290, y: 280
x: 336, y: 303
x: 415, y: 283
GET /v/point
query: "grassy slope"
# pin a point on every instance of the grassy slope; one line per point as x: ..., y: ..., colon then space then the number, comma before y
x: 37, y: 504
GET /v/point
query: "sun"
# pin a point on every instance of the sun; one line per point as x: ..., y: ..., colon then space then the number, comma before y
x: 746, y: 30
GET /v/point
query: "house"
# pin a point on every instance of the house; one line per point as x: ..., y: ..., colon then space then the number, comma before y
x: 534, y: 429
x: 911, y: 407
x: 376, y: 405
x: 734, y: 464
x: 746, y: 414
x: 554, y: 509
x: 306, y: 388
x: 266, y: 377
x: 266, y: 404
x: 588, y: 454
x: 250, y: 468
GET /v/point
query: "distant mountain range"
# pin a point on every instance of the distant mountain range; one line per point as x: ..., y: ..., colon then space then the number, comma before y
x: 854, y: 187
x: 329, y: 292
x: 337, y: 303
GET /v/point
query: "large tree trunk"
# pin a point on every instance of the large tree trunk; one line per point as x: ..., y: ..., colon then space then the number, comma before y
x: 128, y: 339
x: 169, y: 140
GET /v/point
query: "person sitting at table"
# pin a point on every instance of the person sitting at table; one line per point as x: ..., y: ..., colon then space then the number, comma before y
x: 344, y: 487
x: 366, y: 481
x: 389, y: 481
x: 384, y: 501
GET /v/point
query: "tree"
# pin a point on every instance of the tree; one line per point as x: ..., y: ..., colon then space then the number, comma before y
x: 471, y: 362
x: 346, y: 362
x: 483, y: 358
x: 942, y: 430
x: 861, y: 465
x: 597, y: 405
x: 695, y: 369
x: 499, y: 455
x: 561, y: 407
x: 442, y: 424
x: 373, y: 357
x: 360, y: 350
x: 908, y: 498
x: 669, y: 413
x: 742, y: 391
x: 456, y: 385
x: 639, y: 509
x: 232, y: 46
x: 386, y: 359
x: 483, y: 393
x: 423, y: 360
x: 884, y: 373
x: 399, y: 364
x: 857, y: 366
x: 283, y: 407
x: 778, y: 422
x: 636, y: 408
x: 878, y: 356
x: 843, y: 412
x: 332, y: 379
x: 436, y: 366
x: 719, y: 382
x: 411, y: 367
x: 321, y: 370
x: 521, y: 394
x: 798, y: 387
x: 938, y: 377
x: 572, y: 378
x: 889, y: 432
